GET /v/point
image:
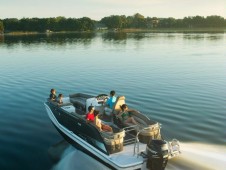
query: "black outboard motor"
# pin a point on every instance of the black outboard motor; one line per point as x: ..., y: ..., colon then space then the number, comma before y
x: 157, y: 151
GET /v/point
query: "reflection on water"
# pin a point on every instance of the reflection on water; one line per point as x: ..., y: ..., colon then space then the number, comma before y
x: 75, y: 159
x: 54, y: 39
x: 114, y: 36
x: 176, y: 79
x: 86, y: 38
x: 1, y: 38
x: 203, y: 36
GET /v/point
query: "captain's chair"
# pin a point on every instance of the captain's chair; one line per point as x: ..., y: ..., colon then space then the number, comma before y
x: 119, y: 102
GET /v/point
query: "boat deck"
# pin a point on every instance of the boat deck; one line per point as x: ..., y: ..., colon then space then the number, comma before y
x: 127, y: 157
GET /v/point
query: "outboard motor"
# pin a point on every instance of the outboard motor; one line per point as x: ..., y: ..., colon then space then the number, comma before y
x: 157, y: 152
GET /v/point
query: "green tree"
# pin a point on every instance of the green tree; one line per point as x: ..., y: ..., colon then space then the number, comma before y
x: 24, y: 24
x: 152, y: 22
x: 86, y: 24
x: 123, y: 21
x: 215, y: 21
x: 11, y: 24
x: 198, y: 21
x: 42, y: 24
x: 114, y: 21
x: 1, y: 27
x: 187, y: 22
x: 139, y: 21
x: 59, y: 23
x: 167, y: 22
x: 179, y: 23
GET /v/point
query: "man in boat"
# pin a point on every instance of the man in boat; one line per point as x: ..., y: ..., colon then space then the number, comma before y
x: 110, y: 103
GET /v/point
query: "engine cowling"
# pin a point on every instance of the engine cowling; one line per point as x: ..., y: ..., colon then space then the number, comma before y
x: 157, y: 152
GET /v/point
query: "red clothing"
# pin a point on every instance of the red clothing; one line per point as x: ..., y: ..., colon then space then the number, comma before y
x: 90, y: 116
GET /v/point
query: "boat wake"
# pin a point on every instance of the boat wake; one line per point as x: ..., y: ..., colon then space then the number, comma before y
x: 195, y: 156
x: 73, y: 159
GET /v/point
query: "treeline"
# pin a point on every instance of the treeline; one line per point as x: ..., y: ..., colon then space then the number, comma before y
x: 110, y: 22
x: 139, y: 21
x: 44, y: 24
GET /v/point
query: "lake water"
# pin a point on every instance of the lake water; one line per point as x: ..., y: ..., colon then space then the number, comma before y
x: 178, y: 79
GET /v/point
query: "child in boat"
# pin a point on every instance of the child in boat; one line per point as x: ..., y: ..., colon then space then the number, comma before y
x: 99, y: 124
x: 52, y: 95
x: 60, y: 99
x: 124, y: 115
x: 90, y: 114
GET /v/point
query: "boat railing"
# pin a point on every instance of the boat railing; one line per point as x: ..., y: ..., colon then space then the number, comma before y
x: 110, y: 135
x: 135, y: 139
x: 132, y: 136
x: 136, y: 149
x: 130, y: 128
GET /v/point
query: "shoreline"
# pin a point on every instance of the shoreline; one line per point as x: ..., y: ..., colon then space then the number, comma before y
x: 177, y: 30
x: 127, y: 30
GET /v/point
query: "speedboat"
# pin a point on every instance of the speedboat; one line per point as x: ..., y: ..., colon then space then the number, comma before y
x: 129, y: 146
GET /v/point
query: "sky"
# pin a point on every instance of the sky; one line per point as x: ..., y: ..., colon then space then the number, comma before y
x: 97, y: 9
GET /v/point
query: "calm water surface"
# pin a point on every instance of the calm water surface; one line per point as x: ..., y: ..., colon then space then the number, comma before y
x: 177, y: 79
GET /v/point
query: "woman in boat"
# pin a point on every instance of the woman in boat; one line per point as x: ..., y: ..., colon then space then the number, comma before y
x: 125, y: 116
x: 90, y: 114
x: 52, y: 95
x: 99, y: 124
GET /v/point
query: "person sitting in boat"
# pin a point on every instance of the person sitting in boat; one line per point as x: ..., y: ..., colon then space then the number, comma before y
x: 60, y: 99
x: 110, y: 103
x: 90, y: 114
x: 125, y: 116
x: 52, y: 95
x: 98, y: 123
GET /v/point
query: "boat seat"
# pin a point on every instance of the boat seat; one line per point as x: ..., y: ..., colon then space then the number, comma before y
x: 119, y: 102
x: 65, y: 104
x: 111, y: 135
x: 79, y: 100
x: 60, y: 105
x: 81, y: 95
x: 113, y: 141
x: 139, y: 118
x: 80, y: 111
x: 142, y: 121
x: 79, y: 103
